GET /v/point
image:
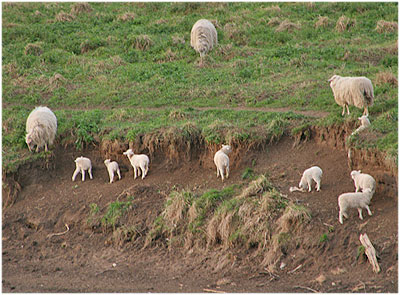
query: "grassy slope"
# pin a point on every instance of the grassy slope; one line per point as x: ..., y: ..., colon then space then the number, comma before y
x: 106, y: 71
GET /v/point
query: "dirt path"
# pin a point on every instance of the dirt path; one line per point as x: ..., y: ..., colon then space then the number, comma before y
x: 84, y: 260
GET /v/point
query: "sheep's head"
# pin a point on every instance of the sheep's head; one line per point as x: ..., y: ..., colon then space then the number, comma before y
x: 303, y: 184
x: 29, y: 142
x: 354, y: 173
x: 226, y: 149
x: 107, y: 161
x: 333, y: 79
x: 129, y: 153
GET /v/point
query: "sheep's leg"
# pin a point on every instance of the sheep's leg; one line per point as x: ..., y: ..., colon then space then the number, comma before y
x: 119, y: 174
x: 135, y: 173
x: 217, y: 172
x: 222, y: 174
x: 143, y: 169
x: 348, y: 111
x: 111, y: 175
x: 357, y: 188
x: 344, y: 108
x: 83, y: 174
x: 37, y: 148
x: 318, y: 186
x: 365, y: 111
x: 90, y: 173
x: 340, y: 217
x: 146, y: 170
x: 369, y: 211
x: 227, y: 171
x: 76, y: 172
x: 360, y: 213
x: 309, y: 185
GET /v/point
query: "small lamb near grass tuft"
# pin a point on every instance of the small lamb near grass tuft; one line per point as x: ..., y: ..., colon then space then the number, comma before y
x: 82, y: 164
x: 112, y: 167
x: 221, y: 160
x: 365, y: 123
x: 359, y: 200
x: 138, y: 161
x: 363, y: 181
x: 310, y: 174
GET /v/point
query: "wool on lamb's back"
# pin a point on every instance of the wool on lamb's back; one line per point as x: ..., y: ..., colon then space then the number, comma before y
x: 203, y: 36
x: 357, y: 91
x: 41, y: 128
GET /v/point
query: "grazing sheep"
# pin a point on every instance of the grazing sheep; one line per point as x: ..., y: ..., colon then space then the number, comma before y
x: 365, y: 123
x: 41, y: 128
x: 203, y: 37
x: 138, y: 161
x: 363, y: 181
x: 310, y: 174
x: 359, y: 200
x: 82, y: 164
x: 221, y: 160
x: 357, y: 91
x: 112, y: 167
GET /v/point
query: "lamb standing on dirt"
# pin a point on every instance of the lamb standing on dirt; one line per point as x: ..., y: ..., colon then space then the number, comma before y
x: 41, y: 128
x: 203, y: 37
x: 359, y: 200
x: 82, y: 164
x: 357, y: 91
x: 365, y: 123
x: 221, y: 160
x: 112, y: 167
x: 310, y: 174
x: 138, y: 161
x: 363, y: 181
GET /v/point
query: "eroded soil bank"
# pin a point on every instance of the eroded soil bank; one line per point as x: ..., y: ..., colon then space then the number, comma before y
x: 87, y: 259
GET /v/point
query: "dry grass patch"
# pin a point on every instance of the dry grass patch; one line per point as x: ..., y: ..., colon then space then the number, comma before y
x: 322, y: 21
x: 178, y: 40
x: 34, y: 49
x: 129, y: 16
x: 287, y: 26
x: 383, y: 26
x: 273, y: 8
x: 386, y: 78
x: 344, y: 23
x: 236, y: 33
x: 64, y: 17
x: 275, y: 21
x: 81, y: 7
x: 142, y: 42
x: 56, y: 81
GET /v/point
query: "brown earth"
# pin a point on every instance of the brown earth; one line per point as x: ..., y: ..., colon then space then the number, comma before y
x: 88, y: 259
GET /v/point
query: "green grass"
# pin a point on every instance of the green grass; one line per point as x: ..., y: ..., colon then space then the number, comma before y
x: 124, y: 78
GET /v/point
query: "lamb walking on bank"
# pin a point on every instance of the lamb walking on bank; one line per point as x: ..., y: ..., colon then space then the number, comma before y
x: 359, y: 200
x: 41, y: 128
x: 363, y: 181
x: 138, y: 161
x: 221, y: 160
x: 357, y: 91
x: 112, y: 167
x: 310, y: 174
x: 82, y: 164
x: 203, y: 37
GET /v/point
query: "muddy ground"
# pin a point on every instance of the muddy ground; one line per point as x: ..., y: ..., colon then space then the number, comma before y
x: 85, y: 259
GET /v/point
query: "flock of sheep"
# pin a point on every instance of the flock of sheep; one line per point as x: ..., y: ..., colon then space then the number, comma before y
x: 41, y: 128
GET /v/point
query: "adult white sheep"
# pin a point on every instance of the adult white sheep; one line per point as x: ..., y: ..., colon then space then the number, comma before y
x: 365, y: 123
x: 358, y: 200
x: 112, y: 167
x: 357, y: 91
x: 203, y: 37
x: 41, y: 128
x: 363, y: 181
x: 310, y: 174
x: 82, y: 164
x: 221, y: 160
x: 138, y: 161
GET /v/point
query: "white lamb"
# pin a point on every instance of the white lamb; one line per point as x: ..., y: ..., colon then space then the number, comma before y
x: 365, y: 123
x: 112, y: 167
x: 203, y: 37
x: 82, y: 164
x: 310, y: 174
x: 138, y: 161
x: 357, y: 91
x: 363, y: 181
x: 359, y: 200
x: 221, y: 160
x: 41, y: 128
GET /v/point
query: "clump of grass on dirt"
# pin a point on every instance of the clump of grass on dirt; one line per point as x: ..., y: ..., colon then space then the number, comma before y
x: 231, y: 218
x: 383, y: 26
